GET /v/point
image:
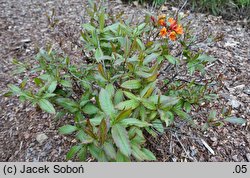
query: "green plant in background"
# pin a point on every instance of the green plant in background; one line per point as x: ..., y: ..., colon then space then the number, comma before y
x: 216, y: 7
x: 116, y: 96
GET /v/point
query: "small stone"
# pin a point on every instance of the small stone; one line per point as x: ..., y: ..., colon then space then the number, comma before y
x: 26, y: 135
x: 41, y: 138
x: 27, y: 40
x: 247, y: 91
x: 226, y: 96
x: 193, y: 151
x: 214, y: 139
x: 239, y: 87
x: 235, y: 104
x: 119, y: 1
x: 174, y: 159
x: 248, y: 157
x: 136, y: 3
x: 47, y: 146
x: 235, y: 158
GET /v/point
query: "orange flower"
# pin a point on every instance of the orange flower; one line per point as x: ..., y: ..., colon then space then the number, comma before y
x: 162, y: 22
x: 163, y: 32
x: 179, y: 30
x: 171, y: 21
x: 163, y: 16
x: 172, y: 36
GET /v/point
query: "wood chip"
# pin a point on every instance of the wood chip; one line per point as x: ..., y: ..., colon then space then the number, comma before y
x: 207, y: 146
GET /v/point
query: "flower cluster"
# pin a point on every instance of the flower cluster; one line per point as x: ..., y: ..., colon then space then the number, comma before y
x: 170, y: 28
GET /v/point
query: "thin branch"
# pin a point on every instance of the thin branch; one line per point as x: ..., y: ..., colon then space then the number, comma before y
x: 191, y: 158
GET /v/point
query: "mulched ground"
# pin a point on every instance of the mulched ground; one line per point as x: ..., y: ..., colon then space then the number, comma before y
x: 24, y: 28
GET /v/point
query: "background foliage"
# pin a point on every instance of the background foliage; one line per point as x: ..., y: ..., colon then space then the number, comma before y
x: 227, y: 8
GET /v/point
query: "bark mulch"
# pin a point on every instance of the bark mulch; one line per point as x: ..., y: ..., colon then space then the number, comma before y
x: 27, y: 134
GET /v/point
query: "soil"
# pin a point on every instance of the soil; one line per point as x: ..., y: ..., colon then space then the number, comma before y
x: 27, y: 134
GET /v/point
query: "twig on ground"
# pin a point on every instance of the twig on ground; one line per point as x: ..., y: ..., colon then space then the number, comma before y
x: 171, y: 143
x: 191, y: 158
x: 207, y: 146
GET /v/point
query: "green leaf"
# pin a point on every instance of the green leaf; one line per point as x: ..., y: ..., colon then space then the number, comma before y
x: 46, y: 106
x: 120, y: 136
x: 125, y: 105
x: 148, y: 104
x: 187, y: 107
x: 72, y: 152
x: 122, y: 115
x: 143, y: 74
x: 90, y: 109
x: 130, y: 95
x: 82, y: 153
x: 67, y: 129
x: 66, y: 83
x: 96, y: 120
x: 171, y: 59
x: 137, y: 153
x: 103, y: 131
x: 83, y: 102
x: 134, y: 122
x: 235, y: 120
x: 168, y: 101
x: 181, y: 114
x: 148, y: 155
x: 68, y: 104
x: 170, y: 117
x: 118, y: 97
x: 121, y: 157
x: 157, y: 124
x: 16, y: 90
x: 167, y: 117
x: 164, y: 100
x: 112, y: 27
x: 206, y: 58
x: 152, y: 115
x: 101, y: 71
x: 89, y: 129
x: 88, y: 27
x: 8, y: 94
x: 151, y: 131
x: 59, y: 115
x: 109, y: 150
x: 143, y: 113
x: 98, y: 54
x: 127, y: 44
x: 52, y: 86
x: 140, y: 43
x: 212, y: 115
x: 48, y: 95
x: 102, y: 20
x: 45, y: 77
x: 150, y: 58
x: 152, y: 78
x: 38, y: 81
x: 106, y: 103
x: 135, y: 131
x: 110, y: 89
x: 148, y: 90
x: 83, y: 137
x: 131, y: 84
x: 95, y: 151
x: 138, y: 140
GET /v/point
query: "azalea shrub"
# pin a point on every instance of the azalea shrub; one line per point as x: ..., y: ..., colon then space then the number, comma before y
x: 127, y: 87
